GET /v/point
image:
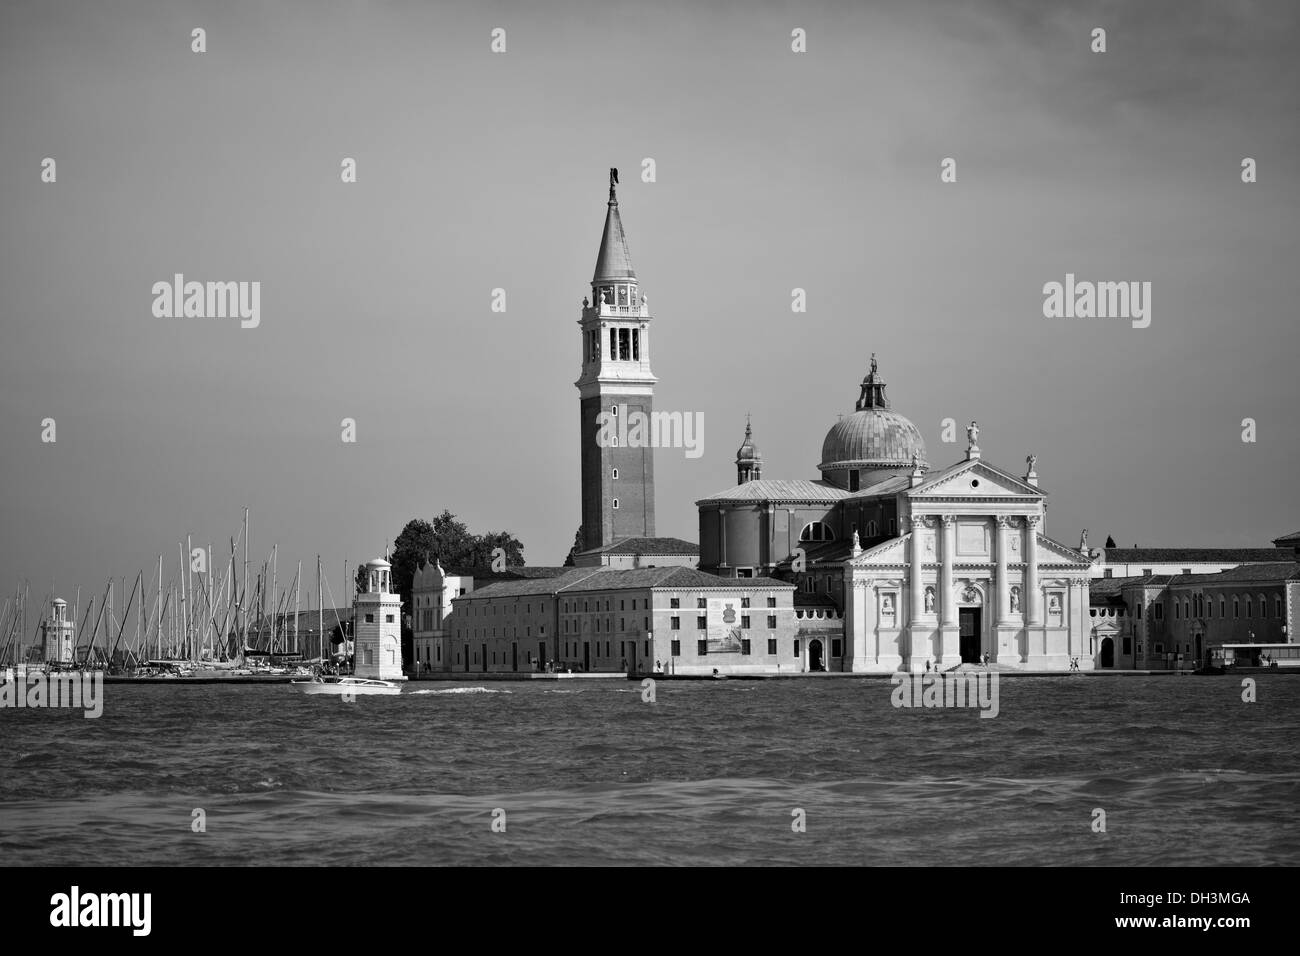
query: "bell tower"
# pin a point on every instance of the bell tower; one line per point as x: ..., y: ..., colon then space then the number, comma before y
x: 618, y: 485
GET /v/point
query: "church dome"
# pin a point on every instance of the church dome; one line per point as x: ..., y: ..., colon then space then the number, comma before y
x: 873, y: 439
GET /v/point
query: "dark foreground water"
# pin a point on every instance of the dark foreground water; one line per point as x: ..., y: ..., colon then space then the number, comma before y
x: 1186, y: 773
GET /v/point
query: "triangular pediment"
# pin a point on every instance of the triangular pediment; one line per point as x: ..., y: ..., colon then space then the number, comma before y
x: 1053, y: 552
x: 893, y: 551
x: 975, y: 479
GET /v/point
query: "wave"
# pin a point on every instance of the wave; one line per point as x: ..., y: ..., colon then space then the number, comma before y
x: 462, y: 690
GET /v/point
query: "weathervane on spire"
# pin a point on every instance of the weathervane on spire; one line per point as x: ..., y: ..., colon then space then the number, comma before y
x: 613, y: 181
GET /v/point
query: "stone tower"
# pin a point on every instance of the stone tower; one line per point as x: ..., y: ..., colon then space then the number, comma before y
x: 618, y: 485
x: 377, y: 631
x: 56, y: 633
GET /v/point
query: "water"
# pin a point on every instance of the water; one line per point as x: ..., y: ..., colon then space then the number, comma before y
x: 586, y: 772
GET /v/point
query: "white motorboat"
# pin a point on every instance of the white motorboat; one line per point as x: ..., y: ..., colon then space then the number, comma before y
x: 345, y: 686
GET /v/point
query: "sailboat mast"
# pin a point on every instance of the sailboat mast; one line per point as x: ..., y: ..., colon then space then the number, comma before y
x: 275, y: 595
x: 297, y: 601
x: 320, y: 611
x: 189, y: 599
x: 182, y: 609
x: 158, y: 606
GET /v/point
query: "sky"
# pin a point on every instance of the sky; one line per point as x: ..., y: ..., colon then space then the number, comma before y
x: 775, y: 170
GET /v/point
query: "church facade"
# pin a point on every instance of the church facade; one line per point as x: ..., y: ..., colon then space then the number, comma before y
x: 927, y: 568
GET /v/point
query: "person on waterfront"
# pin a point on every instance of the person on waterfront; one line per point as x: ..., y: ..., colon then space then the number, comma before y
x: 927, y: 665
x: 659, y: 666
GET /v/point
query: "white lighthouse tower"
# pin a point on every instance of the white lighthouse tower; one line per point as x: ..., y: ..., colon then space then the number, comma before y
x: 377, y: 633
x: 56, y: 633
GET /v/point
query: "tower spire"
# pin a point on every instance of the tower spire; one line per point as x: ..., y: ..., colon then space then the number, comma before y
x: 613, y: 260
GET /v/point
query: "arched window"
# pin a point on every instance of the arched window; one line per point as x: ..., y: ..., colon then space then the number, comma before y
x: 817, y: 531
x: 871, y: 529
x: 1248, y: 604
x: 1263, y: 606
x: 1236, y: 607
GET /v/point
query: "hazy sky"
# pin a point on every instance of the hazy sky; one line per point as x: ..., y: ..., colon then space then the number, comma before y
x: 775, y: 170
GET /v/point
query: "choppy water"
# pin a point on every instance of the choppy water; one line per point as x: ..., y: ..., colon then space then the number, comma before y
x: 586, y: 772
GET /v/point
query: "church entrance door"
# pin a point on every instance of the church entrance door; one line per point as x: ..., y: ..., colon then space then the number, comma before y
x: 1107, y: 652
x: 968, y: 624
x: 815, y: 656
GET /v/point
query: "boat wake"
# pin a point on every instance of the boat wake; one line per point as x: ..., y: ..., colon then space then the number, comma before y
x: 462, y: 690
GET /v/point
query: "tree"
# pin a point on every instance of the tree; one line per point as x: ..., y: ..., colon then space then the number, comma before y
x: 445, y: 539
x: 576, y: 549
x: 448, y: 541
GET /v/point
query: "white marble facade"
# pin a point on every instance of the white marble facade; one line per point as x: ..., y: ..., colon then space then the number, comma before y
x: 972, y: 575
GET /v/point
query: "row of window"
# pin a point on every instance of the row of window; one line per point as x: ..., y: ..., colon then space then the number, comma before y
x: 622, y: 625
x: 702, y: 622
x: 702, y: 647
x: 1198, y: 606
x: 573, y: 650
x: 475, y: 632
x: 571, y: 607
x: 490, y: 610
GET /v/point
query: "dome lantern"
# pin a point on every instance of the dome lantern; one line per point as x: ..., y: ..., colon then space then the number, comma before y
x: 749, y: 461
